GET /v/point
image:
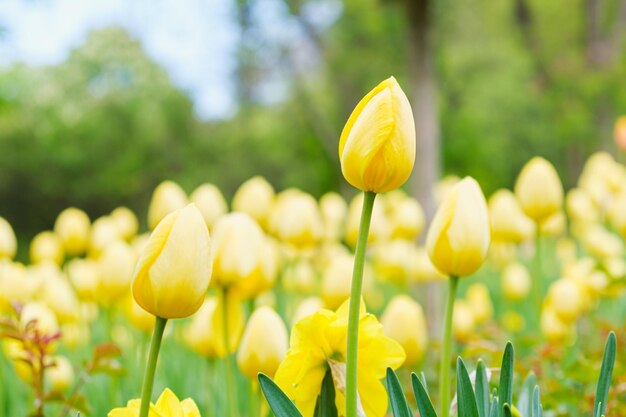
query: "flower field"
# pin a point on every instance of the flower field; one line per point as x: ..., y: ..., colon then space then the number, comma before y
x: 278, y: 302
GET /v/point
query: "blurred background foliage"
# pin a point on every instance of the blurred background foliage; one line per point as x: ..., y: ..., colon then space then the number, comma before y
x: 513, y: 79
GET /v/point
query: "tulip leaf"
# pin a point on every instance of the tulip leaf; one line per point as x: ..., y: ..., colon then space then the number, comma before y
x: 606, y: 372
x: 280, y: 404
x: 536, y: 410
x: 505, y: 389
x: 493, y: 412
x: 424, y: 405
x: 326, y: 401
x: 482, y: 389
x: 464, y: 392
x: 399, y: 406
x: 524, y: 402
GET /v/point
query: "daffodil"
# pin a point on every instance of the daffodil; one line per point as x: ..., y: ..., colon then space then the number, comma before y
x: 318, y: 344
x: 168, y: 405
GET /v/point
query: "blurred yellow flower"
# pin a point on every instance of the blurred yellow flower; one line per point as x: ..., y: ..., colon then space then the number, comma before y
x: 516, y: 282
x: 255, y: 197
x: 404, y: 321
x: 116, y: 265
x: 46, y: 247
x: 60, y: 375
x: 406, y: 217
x: 72, y: 227
x: 539, y: 190
x: 377, y: 144
x: 167, y: 197
x: 126, y: 222
x: 459, y: 235
x: 210, y: 201
x: 168, y: 405
x: 174, y: 271
x: 8, y: 242
x: 295, y: 219
x: 318, y: 345
x: 104, y: 231
x: 477, y: 295
x: 333, y: 209
x: 508, y: 221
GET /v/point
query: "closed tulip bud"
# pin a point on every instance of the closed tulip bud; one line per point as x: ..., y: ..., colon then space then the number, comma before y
x: 508, y: 221
x: 17, y: 284
x: 477, y: 296
x: 463, y: 321
x: 104, y: 231
x: 307, y: 307
x: 210, y: 201
x: 296, y: 220
x: 539, y: 189
x: 392, y: 260
x: 264, y: 277
x: 516, y: 282
x: 334, y: 210
x: 602, y: 244
x: 377, y: 144
x: 8, y: 242
x: 421, y: 268
x: 84, y: 274
x: 237, y: 249
x: 566, y: 299
x: 60, y: 376
x: 58, y: 294
x: 337, y: 281
x: 126, y: 222
x: 72, y: 227
x: 255, y: 197
x: 458, y: 238
x: 263, y: 345
x: 174, y: 271
x: 379, y: 226
x: 407, y: 219
x: 615, y: 267
x: 403, y: 321
x: 46, y: 247
x: 116, y: 265
x: 580, y: 207
x: 41, y: 317
x: 166, y: 198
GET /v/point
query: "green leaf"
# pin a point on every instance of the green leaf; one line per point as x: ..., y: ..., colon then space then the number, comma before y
x: 326, y: 406
x: 506, y: 410
x: 536, y: 410
x: 493, y: 411
x: 424, y: 405
x: 505, y: 390
x: 482, y: 389
x: 399, y: 406
x: 280, y: 404
x: 606, y: 372
x: 524, y: 401
x: 466, y: 401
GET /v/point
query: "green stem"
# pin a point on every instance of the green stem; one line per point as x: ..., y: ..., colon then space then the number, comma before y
x: 148, y: 379
x: 537, y: 283
x: 355, y: 304
x: 231, y: 389
x: 446, y: 351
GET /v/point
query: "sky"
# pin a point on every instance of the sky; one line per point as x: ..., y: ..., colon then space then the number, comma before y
x: 194, y: 40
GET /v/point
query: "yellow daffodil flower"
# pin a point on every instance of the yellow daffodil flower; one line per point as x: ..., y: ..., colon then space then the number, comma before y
x: 168, y: 405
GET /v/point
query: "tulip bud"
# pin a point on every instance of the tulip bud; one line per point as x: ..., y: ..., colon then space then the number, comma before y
x: 104, y: 231
x: 516, y: 282
x: 565, y: 299
x: 392, y: 260
x: 477, y: 296
x: 72, y: 227
x: 8, y: 242
x: 174, y: 271
x: 554, y: 329
x: 337, y: 281
x: 46, y: 247
x: 295, y: 219
x: 458, y: 238
x: 167, y: 197
x: 333, y: 209
x: 539, y: 189
x: 602, y: 244
x: 407, y: 219
x: 508, y: 221
x: 580, y: 207
x: 463, y: 320
x: 255, y: 197
x: 116, y: 265
x: 300, y: 277
x: 126, y: 222
x: 421, y: 269
x: 60, y: 375
x: 84, y: 275
x: 264, y: 277
x: 75, y: 335
x: 41, y: 317
x: 377, y: 144
x: 403, y: 321
x: 16, y: 285
x: 60, y: 297
x: 263, y: 345
x: 210, y: 202
x: 237, y: 249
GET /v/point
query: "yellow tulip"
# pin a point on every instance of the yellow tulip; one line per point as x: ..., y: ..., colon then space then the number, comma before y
x: 210, y: 202
x: 8, y: 242
x: 72, y: 227
x: 237, y: 248
x: 580, y: 206
x: 296, y: 220
x: 75, y: 335
x: 406, y: 218
x: 392, y: 259
x: 601, y: 243
x: 502, y: 253
x: 337, y: 281
x: 421, y: 268
x: 553, y: 225
x: 539, y: 190
x: 300, y: 277
x: 39, y: 316
x: 508, y: 221
x: 58, y: 294
x: 104, y: 231
x: 168, y: 405
x: 513, y: 321
x: 17, y: 284
x: 116, y: 266
x: 463, y: 321
x: 59, y: 376
x: 84, y: 274
x: 263, y: 345
x: 377, y: 144
x: 264, y: 277
x: 46, y: 247
x: 174, y: 271
x: 554, y: 329
x: 403, y: 321
x: 333, y: 209
x: 126, y: 222
x: 566, y: 299
x: 255, y: 197
x: 458, y: 238
x: 167, y: 197
x: 477, y: 295
x: 516, y: 282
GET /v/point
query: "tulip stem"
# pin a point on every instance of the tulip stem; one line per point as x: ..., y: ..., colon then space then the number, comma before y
x: 537, y: 281
x: 446, y: 350
x: 148, y: 379
x: 355, y: 304
x: 231, y: 393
